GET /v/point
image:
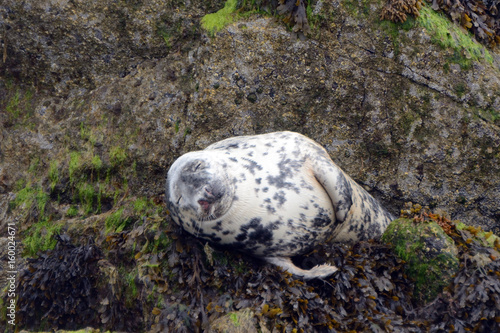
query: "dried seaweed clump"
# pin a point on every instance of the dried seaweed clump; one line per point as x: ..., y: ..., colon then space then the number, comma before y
x: 72, y: 287
x: 58, y: 287
x: 472, y: 301
x: 295, y: 14
x: 370, y: 290
x: 482, y: 18
x: 398, y: 10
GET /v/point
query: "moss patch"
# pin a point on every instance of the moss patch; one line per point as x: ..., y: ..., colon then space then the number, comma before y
x: 217, y: 21
x: 41, y: 237
x: 116, y: 222
x: 486, y: 238
x: 430, y: 253
x: 448, y: 35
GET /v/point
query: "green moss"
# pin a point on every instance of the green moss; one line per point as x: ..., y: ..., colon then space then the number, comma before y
x: 53, y: 174
x: 448, y: 35
x: 430, y: 254
x: 487, y: 238
x: 165, y: 35
x: 117, y: 156
x: 40, y: 237
x: 72, y: 211
x: 217, y: 21
x: 34, y: 164
x: 141, y: 205
x: 393, y: 30
x: 357, y: 8
x: 18, y: 107
x: 489, y: 115
x: 234, y: 319
x: 115, y: 222
x: 74, y: 165
x: 96, y: 163
x: 29, y: 196
x: 131, y: 291
x: 460, y: 89
x: 89, y: 198
x: 13, y: 105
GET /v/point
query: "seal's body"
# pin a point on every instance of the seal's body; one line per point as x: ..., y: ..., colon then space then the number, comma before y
x: 274, y: 196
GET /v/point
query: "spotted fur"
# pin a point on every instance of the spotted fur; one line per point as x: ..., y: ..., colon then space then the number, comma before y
x: 274, y: 196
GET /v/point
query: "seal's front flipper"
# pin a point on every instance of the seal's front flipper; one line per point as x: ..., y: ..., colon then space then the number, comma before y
x: 319, y: 272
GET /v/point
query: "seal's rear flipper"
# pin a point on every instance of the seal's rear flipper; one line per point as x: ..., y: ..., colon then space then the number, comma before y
x: 319, y: 272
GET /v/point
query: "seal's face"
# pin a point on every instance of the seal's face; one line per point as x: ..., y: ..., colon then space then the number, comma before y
x: 198, y: 189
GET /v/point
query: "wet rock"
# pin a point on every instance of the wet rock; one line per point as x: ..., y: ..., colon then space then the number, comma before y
x: 431, y: 255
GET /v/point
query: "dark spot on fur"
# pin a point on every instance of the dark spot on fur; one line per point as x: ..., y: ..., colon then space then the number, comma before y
x: 251, y: 166
x: 280, y: 197
x: 218, y: 226
x: 321, y: 220
x: 255, y: 233
x: 270, y: 209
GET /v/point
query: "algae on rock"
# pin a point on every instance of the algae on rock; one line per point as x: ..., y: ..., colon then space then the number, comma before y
x: 431, y: 255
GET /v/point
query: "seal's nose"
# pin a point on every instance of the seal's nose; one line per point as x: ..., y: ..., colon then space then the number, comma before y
x: 213, y: 192
x: 205, y: 205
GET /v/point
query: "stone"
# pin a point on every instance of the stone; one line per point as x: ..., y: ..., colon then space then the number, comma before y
x: 431, y: 255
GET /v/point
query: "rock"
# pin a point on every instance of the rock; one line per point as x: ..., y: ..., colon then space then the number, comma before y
x: 98, y: 98
x: 431, y: 255
x: 423, y: 127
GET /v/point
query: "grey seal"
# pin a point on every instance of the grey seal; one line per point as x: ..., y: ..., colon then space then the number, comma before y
x: 273, y: 196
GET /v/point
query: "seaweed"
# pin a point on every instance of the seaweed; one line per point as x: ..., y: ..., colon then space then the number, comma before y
x: 58, y: 285
x: 398, y: 10
x: 66, y: 288
x: 472, y: 301
x: 370, y: 290
x: 182, y: 284
x: 294, y: 12
x: 482, y: 18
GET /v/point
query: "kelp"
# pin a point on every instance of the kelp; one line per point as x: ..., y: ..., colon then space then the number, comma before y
x: 369, y: 290
x: 398, y: 10
x: 294, y: 12
x: 482, y: 18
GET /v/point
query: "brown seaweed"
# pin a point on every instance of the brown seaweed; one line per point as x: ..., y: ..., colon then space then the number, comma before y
x: 481, y: 18
x: 398, y: 10
x: 198, y: 284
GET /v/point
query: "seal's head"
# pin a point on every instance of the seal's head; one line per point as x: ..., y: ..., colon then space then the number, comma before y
x: 198, y: 189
